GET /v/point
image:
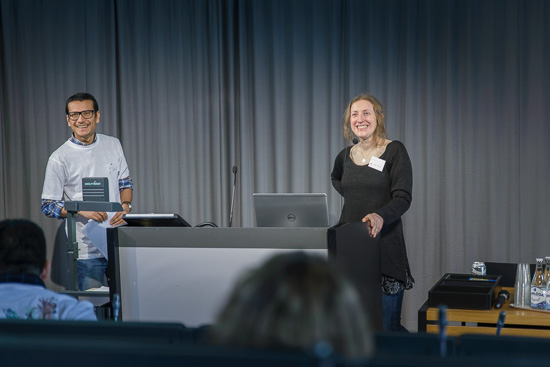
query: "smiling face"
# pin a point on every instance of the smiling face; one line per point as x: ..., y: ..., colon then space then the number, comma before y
x: 83, y: 128
x: 363, y: 119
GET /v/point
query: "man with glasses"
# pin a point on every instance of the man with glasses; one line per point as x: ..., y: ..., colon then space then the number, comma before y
x: 86, y: 154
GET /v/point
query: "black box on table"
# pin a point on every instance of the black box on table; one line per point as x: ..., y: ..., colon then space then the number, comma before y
x: 472, y: 292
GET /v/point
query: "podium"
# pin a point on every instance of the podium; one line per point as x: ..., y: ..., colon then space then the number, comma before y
x: 72, y: 208
x: 358, y: 254
x: 185, y: 274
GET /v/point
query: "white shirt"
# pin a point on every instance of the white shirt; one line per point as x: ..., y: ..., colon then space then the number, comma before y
x: 72, y: 162
x: 32, y: 301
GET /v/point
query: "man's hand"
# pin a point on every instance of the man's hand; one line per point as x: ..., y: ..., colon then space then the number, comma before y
x: 117, y: 220
x: 97, y: 216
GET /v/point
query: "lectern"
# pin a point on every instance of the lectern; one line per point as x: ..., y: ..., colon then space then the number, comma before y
x: 72, y: 208
x: 358, y: 254
x: 184, y: 274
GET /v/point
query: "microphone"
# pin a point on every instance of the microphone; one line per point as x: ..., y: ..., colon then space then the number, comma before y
x: 500, y: 322
x: 355, y: 140
x: 116, y: 306
x: 503, y: 296
x: 233, y: 195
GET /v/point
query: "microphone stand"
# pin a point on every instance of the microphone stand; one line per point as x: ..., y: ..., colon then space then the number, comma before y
x: 442, y: 331
x: 500, y: 322
x: 233, y: 195
x: 115, y: 304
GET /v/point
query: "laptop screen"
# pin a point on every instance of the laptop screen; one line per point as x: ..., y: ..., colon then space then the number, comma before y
x: 291, y: 210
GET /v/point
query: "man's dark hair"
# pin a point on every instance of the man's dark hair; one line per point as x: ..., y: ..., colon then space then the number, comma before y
x: 81, y: 97
x: 22, y: 247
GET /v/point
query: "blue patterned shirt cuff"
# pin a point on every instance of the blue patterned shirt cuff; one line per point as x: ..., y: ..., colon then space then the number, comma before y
x: 125, y: 183
x: 52, y: 208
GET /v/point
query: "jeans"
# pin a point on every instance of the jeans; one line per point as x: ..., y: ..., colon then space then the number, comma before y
x: 391, y: 311
x: 91, y: 273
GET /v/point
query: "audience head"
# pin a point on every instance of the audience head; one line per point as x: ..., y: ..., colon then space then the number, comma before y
x: 295, y: 300
x: 22, y: 248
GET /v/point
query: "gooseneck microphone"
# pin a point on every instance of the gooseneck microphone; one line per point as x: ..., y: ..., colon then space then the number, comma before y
x: 503, y: 297
x: 116, y: 306
x: 233, y: 195
x: 500, y: 322
x: 442, y: 322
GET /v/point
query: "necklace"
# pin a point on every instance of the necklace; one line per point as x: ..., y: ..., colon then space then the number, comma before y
x: 364, y: 160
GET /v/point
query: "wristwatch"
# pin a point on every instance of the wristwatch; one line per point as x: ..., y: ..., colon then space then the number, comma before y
x: 129, y: 205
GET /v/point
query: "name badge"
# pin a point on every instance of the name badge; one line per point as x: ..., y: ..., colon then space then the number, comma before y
x: 377, y: 163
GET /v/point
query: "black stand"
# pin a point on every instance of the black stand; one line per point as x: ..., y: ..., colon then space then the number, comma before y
x: 358, y: 255
x: 72, y: 208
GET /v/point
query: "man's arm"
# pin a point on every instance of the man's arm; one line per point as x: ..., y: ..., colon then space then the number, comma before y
x: 126, y: 198
x: 126, y: 187
x: 56, y: 209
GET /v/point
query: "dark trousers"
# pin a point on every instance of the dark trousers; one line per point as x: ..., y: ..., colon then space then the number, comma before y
x: 391, y: 311
x: 91, y: 273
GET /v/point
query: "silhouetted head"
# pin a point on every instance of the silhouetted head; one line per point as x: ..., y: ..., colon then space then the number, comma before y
x: 295, y: 300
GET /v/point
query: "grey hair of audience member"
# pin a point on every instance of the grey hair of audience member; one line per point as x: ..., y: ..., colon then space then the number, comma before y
x: 295, y: 300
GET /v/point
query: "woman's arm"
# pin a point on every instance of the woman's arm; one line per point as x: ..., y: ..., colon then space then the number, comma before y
x: 338, y: 171
x: 401, y: 181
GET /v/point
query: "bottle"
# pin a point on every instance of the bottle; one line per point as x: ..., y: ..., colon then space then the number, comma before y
x: 546, y: 268
x: 519, y: 296
x: 538, y: 287
x: 547, y: 278
x: 526, y: 285
x: 479, y: 268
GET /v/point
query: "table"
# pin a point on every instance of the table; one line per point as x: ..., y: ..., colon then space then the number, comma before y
x: 518, y: 322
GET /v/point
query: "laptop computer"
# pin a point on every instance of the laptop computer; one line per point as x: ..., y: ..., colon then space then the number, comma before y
x: 291, y: 210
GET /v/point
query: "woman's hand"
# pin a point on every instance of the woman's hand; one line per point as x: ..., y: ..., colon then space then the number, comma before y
x: 375, y: 223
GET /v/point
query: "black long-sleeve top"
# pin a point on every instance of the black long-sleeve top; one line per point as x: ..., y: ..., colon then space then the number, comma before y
x: 387, y: 193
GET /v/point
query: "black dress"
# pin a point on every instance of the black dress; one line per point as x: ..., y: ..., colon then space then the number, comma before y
x: 387, y: 193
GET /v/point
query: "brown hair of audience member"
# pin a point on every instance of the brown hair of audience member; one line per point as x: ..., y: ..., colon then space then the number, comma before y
x: 22, y: 248
x: 295, y: 300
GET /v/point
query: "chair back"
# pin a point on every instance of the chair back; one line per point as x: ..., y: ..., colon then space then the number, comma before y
x: 62, y: 271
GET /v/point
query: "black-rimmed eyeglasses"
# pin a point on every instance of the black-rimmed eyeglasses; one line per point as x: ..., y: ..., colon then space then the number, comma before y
x: 73, y: 116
